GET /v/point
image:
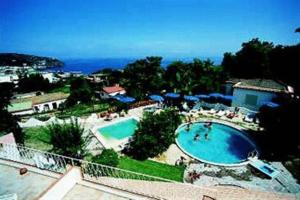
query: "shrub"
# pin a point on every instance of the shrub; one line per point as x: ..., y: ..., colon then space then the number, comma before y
x: 107, y: 157
x: 154, y: 135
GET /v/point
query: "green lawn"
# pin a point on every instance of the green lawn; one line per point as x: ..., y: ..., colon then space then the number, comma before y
x: 83, y: 109
x: 64, y: 89
x: 152, y: 168
x: 37, y: 138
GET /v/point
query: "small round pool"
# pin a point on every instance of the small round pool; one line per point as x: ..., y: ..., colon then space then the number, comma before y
x: 219, y: 145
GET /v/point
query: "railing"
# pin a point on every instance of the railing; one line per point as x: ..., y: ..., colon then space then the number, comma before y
x: 58, y: 163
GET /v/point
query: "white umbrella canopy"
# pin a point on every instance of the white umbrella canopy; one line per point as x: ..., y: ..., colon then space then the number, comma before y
x: 31, y: 122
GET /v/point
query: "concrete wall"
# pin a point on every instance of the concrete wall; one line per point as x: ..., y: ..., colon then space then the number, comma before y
x: 63, y: 185
x: 240, y: 98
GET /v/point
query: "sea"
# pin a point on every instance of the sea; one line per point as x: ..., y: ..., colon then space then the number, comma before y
x: 88, y: 66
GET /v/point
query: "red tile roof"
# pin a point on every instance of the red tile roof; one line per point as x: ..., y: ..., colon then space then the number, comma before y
x: 113, y: 89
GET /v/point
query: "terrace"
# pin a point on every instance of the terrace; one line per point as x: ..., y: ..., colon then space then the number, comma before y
x: 65, y: 181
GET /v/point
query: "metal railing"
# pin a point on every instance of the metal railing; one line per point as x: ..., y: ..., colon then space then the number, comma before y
x: 58, y: 163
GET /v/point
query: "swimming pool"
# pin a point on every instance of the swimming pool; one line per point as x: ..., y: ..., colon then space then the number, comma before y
x: 224, y: 145
x: 119, y: 130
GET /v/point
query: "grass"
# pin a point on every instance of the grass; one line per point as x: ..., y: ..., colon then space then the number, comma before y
x: 64, y: 89
x: 152, y: 168
x: 37, y: 138
x: 83, y: 109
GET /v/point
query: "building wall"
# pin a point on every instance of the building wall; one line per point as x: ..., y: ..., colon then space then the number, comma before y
x: 25, y: 112
x: 8, y: 78
x: 240, y: 98
x: 47, y: 106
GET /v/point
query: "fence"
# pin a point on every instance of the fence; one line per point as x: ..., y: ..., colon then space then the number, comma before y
x: 58, y: 163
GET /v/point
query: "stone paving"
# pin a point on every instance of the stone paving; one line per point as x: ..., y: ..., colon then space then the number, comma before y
x: 254, y: 183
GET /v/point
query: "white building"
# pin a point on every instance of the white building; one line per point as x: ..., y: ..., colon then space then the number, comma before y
x: 12, y: 78
x: 253, y: 93
x: 108, y: 92
x: 41, y: 103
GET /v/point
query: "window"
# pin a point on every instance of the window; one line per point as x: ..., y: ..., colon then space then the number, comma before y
x: 251, y: 99
x: 54, y: 105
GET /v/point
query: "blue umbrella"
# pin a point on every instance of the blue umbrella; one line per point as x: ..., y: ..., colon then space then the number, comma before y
x: 202, y: 96
x: 124, y: 99
x: 191, y: 98
x: 271, y: 104
x: 172, y: 95
x: 156, y: 98
x: 216, y: 95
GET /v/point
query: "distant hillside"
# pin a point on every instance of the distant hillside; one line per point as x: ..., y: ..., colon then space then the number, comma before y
x: 14, y: 59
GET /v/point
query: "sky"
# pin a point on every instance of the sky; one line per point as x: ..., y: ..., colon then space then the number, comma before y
x: 137, y: 28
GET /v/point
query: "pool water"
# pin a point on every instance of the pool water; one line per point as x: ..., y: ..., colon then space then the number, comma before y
x: 119, y: 130
x: 224, y: 145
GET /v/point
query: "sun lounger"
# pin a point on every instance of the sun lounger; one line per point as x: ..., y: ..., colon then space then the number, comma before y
x: 221, y: 113
x: 212, y: 111
x: 248, y: 119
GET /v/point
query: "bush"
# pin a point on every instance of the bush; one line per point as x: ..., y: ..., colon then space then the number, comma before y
x: 107, y: 157
x: 68, y: 139
x: 154, y: 135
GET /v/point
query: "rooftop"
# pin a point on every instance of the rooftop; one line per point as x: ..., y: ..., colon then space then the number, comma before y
x: 22, y: 104
x: 113, y: 89
x: 28, y: 186
x: 267, y: 85
x: 19, y: 106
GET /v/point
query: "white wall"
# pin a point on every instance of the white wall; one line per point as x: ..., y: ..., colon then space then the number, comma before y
x: 41, y: 107
x: 8, y: 78
x: 63, y: 185
x: 240, y: 97
x: 26, y: 112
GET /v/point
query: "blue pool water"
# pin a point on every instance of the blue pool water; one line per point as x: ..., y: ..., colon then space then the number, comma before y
x: 225, y: 145
x: 119, y: 130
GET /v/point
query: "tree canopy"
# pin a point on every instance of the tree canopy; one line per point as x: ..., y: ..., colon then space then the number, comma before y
x: 144, y: 76
x: 68, y: 139
x: 80, y: 92
x: 8, y: 122
x: 195, y: 77
x: 261, y: 59
x: 33, y: 82
x: 154, y: 135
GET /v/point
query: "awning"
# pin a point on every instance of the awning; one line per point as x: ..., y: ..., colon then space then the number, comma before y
x: 271, y: 104
x: 202, y: 96
x: 124, y: 99
x: 191, y: 98
x: 216, y: 95
x: 228, y: 97
x: 156, y: 98
x: 172, y: 95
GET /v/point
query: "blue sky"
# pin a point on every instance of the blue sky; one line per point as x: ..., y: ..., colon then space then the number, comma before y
x: 136, y: 28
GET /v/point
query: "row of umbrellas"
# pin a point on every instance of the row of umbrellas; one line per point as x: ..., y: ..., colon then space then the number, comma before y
x: 191, y: 97
x: 195, y: 98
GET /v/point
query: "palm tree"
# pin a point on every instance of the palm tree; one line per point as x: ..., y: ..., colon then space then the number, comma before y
x: 68, y: 139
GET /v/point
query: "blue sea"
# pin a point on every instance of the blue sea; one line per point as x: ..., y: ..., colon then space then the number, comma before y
x: 88, y: 66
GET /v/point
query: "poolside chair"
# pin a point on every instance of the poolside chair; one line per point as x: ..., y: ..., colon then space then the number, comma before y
x: 248, y: 119
x: 221, y: 113
x: 212, y: 111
